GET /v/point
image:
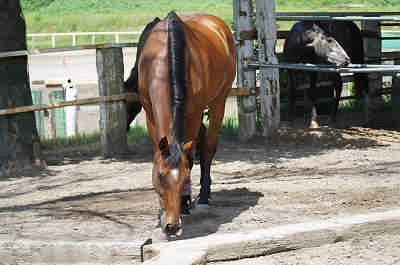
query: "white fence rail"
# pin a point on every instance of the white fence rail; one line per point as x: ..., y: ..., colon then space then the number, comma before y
x: 32, y: 38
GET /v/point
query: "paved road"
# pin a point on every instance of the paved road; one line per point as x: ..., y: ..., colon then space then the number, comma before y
x: 79, y: 66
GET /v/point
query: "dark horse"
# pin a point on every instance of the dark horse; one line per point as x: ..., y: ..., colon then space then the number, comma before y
x: 321, y: 42
x: 187, y: 64
x: 131, y: 84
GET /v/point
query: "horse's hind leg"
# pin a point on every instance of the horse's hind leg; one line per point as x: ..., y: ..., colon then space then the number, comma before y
x: 363, y: 81
x: 208, y: 149
x: 293, y: 95
x: 313, y: 98
x: 201, y: 144
x: 338, y: 84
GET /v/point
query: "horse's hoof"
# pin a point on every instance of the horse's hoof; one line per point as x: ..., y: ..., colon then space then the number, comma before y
x: 185, y: 210
x: 201, y: 209
x: 290, y: 123
x: 368, y: 120
x: 332, y: 122
x: 313, y: 125
x: 185, y: 204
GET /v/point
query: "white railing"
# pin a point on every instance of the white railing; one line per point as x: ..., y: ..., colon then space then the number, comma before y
x: 33, y: 36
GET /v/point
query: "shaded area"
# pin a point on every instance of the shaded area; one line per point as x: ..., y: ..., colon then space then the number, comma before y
x: 226, y: 206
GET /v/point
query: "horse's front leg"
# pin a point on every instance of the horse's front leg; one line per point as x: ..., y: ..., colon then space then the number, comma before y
x: 215, y: 114
x: 313, y: 98
x: 338, y: 84
x: 187, y: 189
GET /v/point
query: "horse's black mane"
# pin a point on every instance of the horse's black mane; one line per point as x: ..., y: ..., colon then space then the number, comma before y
x: 177, y: 84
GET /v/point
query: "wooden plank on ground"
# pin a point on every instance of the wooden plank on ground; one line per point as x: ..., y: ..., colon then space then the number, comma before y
x: 28, y: 250
x: 281, y: 238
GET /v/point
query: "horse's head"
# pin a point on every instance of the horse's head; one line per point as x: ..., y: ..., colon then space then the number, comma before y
x: 169, y: 177
x: 327, y: 48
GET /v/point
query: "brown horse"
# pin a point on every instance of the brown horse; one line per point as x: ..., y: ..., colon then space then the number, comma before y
x: 187, y: 64
x: 131, y: 84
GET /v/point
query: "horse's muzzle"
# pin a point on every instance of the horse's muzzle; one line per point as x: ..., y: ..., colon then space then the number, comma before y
x: 339, y: 60
x: 172, y: 229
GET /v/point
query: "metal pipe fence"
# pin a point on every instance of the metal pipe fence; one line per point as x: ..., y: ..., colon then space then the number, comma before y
x: 352, y: 68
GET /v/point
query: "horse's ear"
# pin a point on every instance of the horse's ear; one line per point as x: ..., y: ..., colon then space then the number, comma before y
x: 189, y: 145
x: 318, y: 29
x: 163, y: 145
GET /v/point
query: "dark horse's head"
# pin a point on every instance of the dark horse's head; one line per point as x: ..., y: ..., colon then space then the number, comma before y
x: 308, y: 42
x: 131, y: 84
x: 326, y: 47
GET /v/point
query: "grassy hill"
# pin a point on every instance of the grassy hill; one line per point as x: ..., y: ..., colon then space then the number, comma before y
x: 126, y: 15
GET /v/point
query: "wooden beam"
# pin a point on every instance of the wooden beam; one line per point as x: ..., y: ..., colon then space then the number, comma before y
x: 64, y: 49
x: 250, y: 244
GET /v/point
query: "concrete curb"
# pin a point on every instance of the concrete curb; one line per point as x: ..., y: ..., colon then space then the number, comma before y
x: 18, y: 250
x: 272, y: 240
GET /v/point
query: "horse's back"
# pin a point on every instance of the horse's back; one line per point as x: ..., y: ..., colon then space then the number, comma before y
x: 210, y: 56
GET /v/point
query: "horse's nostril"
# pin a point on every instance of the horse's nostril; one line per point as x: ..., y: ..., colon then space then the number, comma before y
x: 168, y: 228
x: 171, y: 229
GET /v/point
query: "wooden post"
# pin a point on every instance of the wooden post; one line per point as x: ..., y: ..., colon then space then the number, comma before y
x: 269, y: 77
x: 396, y: 81
x: 373, y: 49
x: 246, y: 77
x: 110, y: 71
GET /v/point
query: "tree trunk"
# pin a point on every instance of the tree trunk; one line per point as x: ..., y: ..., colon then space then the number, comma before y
x: 19, y: 141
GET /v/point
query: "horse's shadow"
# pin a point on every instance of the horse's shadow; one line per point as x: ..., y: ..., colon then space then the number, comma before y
x: 226, y: 206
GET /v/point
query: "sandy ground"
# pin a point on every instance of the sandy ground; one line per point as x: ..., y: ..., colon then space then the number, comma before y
x: 298, y: 175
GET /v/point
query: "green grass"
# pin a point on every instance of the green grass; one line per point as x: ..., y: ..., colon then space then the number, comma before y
x: 127, y: 15
x: 89, y: 144
x: 111, y: 15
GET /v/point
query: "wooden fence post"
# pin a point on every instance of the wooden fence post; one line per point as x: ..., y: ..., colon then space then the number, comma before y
x: 269, y: 77
x: 373, y: 50
x: 246, y: 77
x: 110, y: 71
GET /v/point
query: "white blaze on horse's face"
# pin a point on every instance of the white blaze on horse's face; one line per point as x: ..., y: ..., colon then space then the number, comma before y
x: 175, y: 174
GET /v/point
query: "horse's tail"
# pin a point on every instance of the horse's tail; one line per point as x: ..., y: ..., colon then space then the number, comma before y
x: 177, y: 84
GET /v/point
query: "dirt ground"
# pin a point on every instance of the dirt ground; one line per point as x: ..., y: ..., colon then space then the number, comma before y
x: 298, y: 175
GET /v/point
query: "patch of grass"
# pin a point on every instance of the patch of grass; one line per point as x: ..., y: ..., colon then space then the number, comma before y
x: 89, y: 144
x: 351, y: 106
x: 82, y: 144
x: 126, y: 15
x: 138, y: 135
x: 230, y: 125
